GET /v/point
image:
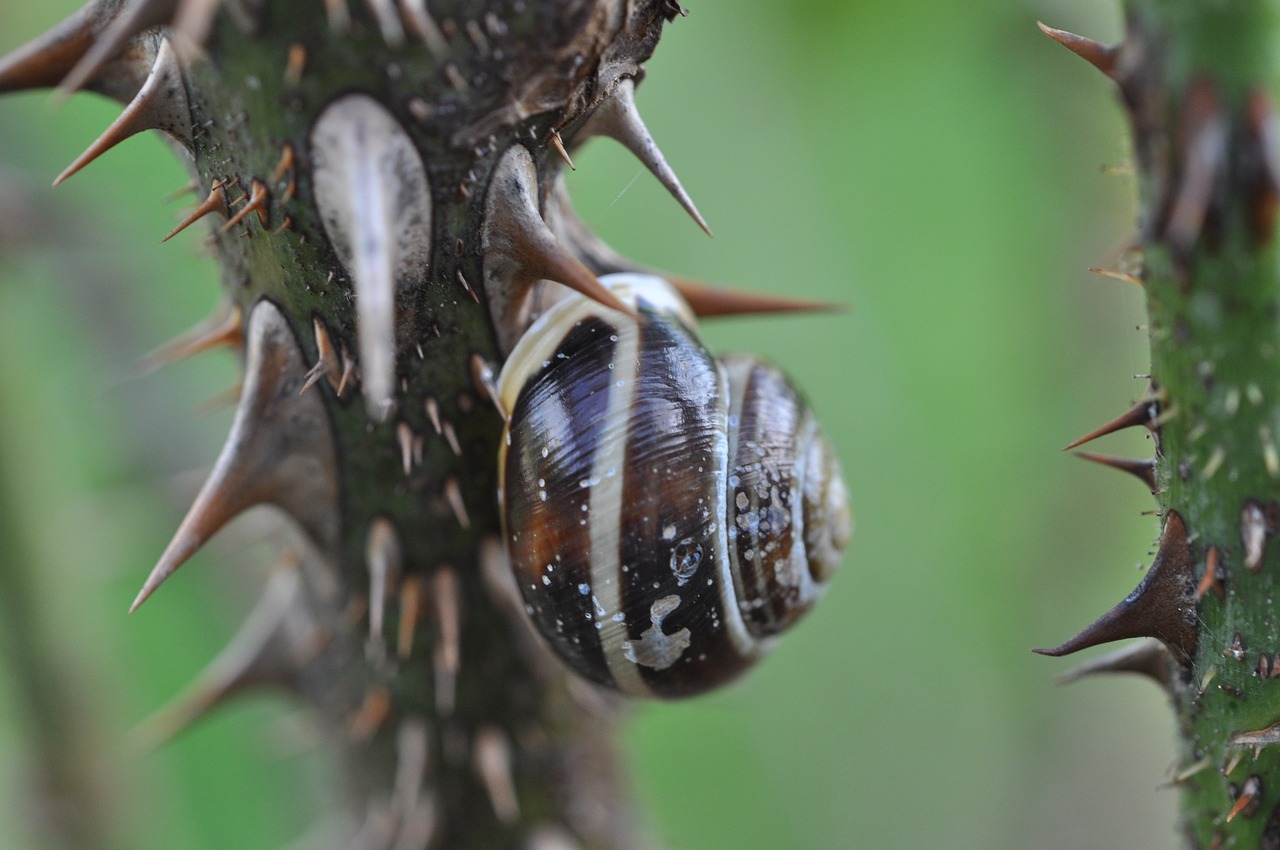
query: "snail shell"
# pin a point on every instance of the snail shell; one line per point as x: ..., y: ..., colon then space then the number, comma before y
x: 667, y: 514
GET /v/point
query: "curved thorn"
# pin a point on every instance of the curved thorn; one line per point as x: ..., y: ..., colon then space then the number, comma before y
x: 225, y: 328
x: 269, y: 649
x: 161, y: 104
x: 1099, y: 55
x: 1147, y: 657
x: 133, y: 19
x: 279, y: 450
x: 1162, y: 606
x: 618, y: 118
x: 519, y: 248
x: 45, y: 60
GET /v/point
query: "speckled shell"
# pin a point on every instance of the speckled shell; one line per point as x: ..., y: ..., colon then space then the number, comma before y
x: 666, y: 514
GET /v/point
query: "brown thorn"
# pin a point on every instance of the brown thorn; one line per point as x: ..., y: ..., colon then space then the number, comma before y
x: 338, y: 14
x: 45, y: 60
x: 485, y: 379
x: 1099, y: 55
x: 1249, y: 801
x: 1148, y: 658
x: 1143, y: 413
x: 178, y: 194
x: 193, y: 20
x: 161, y: 104
x: 348, y: 372
x: 258, y: 199
x: 371, y: 714
x: 558, y: 144
x: 1143, y: 470
x: 1162, y: 606
x: 295, y: 64
x: 132, y: 19
x: 410, y: 612
x: 225, y: 328
x: 284, y: 166
x: 1210, y: 580
x: 1204, y: 143
x: 448, y: 598
x: 618, y: 118
x: 327, y: 364
x: 707, y: 300
x: 1116, y: 274
x: 287, y: 224
x: 1259, y: 147
x: 215, y: 202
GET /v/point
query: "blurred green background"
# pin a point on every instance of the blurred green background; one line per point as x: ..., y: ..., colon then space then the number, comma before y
x: 941, y: 168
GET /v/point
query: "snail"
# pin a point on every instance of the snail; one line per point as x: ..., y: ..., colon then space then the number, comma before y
x: 667, y: 514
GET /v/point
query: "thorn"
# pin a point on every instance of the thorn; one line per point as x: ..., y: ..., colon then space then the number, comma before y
x: 132, y: 19
x: 447, y: 657
x: 45, y: 60
x: 1254, y: 530
x: 425, y: 27
x: 348, y: 372
x: 410, y: 612
x: 1147, y: 657
x: 1258, y: 149
x: 225, y: 328
x: 259, y: 197
x: 558, y: 144
x: 388, y: 18
x: 1099, y: 55
x: 404, y: 435
x: 1249, y: 801
x: 1116, y: 274
x: 326, y: 359
x: 1143, y: 470
x: 454, y: 496
x: 1210, y: 580
x: 466, y: 287
x: 618, y: 118
x: 295, y: 64
x: 178, y: 194
x: 287, y: 224
x: 279, y: 450
x: 371, y: 188
x: 433, y: 413
x: 1257, y: 738
x: 413, y: 809
x: 1143, y: 413
x: 707, y: 300
x: 268, y: 650
x: 451, y: 437
x: 215, y: 202
x: 161, y: 104
x: 338, y: 14
x: 1162, y: 606
x: 485, y: 379
x: 371, y: 714
x: 491, y: 757
x: 284, y: 166
x: 194, y: 19
x: 1205, y: 138
x: 519, y: 249
x: 384, y: 561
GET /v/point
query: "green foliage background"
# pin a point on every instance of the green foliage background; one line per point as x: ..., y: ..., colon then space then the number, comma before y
x: 941, y: 168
